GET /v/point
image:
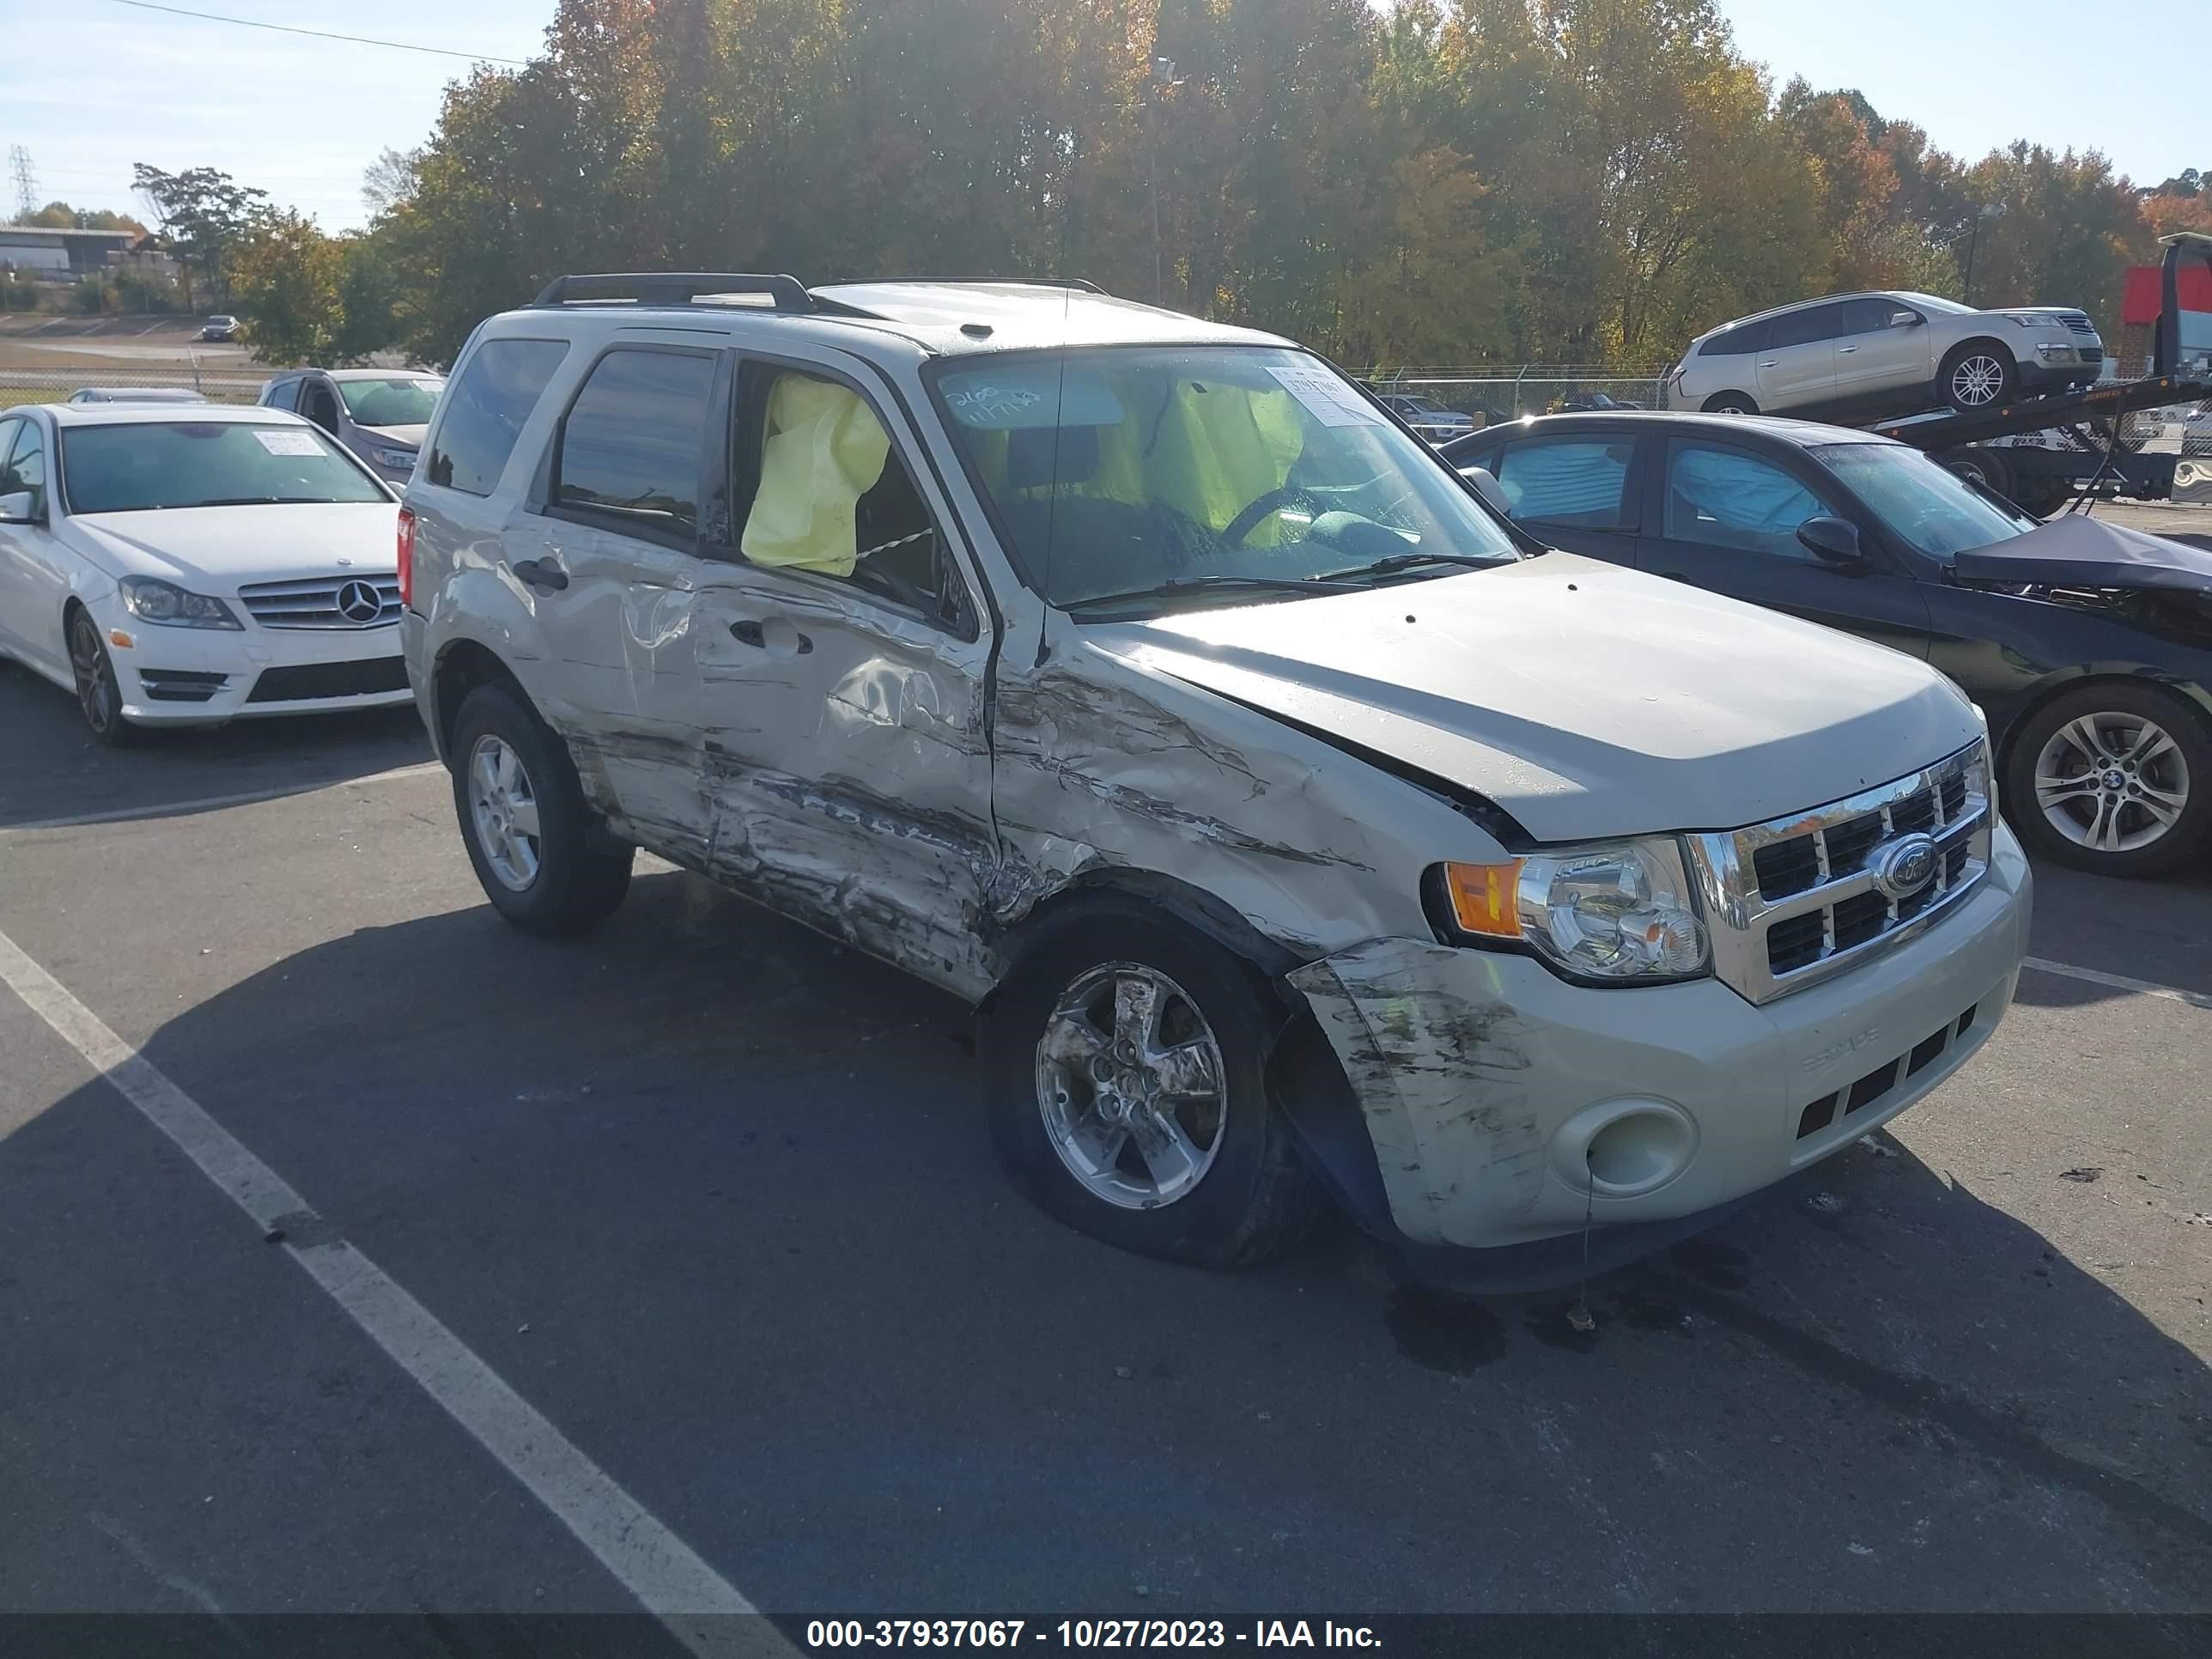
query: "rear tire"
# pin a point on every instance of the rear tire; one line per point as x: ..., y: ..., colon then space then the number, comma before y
x: 1731, y: 403
x: 525, y: 822
x: 1180, y: 1028
x: 2115, y: 778
x: 1978, y: 376
x: 1985, y: 466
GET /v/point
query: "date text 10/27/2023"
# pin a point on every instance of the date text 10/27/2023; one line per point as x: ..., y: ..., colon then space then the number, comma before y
x: 1086, y: 1633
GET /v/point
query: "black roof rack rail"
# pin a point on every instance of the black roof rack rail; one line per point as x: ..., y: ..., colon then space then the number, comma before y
x: 1080, y: 284
x: 674, y: 287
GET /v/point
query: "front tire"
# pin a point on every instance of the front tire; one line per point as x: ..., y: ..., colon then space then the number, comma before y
x: 98, y: 695
x: 1978, y: 375
x: 525, y: 822
x: 1124, y: 1058
x: 2115, y: 779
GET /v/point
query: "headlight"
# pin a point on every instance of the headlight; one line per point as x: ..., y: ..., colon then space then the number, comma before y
x: 151, y: 599
x: 397, y: 459
x: 2023, y: 320
x: 1620, y: 913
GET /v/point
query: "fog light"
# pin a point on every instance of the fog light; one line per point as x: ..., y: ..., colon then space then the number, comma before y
x: 1624, y: 1148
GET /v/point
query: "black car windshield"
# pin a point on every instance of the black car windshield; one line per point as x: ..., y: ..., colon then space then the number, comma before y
x: 1929, y: 507
x: 398, y: 402
x: 138, y: 466
x: 1121, y: 469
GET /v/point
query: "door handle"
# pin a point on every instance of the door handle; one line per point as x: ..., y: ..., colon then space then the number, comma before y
x: 1844, y: 351
x: 1771, y: 362
x: 541, y: 573
x: 751, y: 632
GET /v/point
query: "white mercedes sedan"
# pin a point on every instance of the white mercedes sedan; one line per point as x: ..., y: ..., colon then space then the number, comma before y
x: 177, y: 568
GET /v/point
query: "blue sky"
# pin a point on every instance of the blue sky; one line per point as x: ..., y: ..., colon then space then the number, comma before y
x: 303, y: 118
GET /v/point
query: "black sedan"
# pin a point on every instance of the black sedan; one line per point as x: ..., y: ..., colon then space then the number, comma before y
x: 2088, y: 645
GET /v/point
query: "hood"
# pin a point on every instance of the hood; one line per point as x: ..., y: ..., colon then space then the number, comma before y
x: 211, y: 549
x: 2075, y: 550
x: 410, y: 436
x: 1584, y: 699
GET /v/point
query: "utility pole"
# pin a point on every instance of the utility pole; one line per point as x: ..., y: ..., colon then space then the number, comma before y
x: 1989, y: 210
x: 26, y: 184
x: 1163, y: 79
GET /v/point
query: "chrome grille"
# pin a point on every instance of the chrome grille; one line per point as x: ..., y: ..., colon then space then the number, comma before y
x: 312, y: 602
x: 2079, y: 323
x: 1796, y: 899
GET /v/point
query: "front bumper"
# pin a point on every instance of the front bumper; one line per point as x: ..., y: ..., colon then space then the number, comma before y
x: 205, y: 676
x: 2072, y: 364
x: 1481, y: 1077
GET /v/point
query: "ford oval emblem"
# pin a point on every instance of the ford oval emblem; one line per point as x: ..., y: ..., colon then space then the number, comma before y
x: 1905, y: 867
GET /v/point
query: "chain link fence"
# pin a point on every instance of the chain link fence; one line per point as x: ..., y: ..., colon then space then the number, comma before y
x: 54, y: 386
x: 1493, y: 393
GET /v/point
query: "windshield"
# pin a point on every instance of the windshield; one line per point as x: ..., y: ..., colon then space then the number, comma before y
x: 161, y: 463
x: 1118, y: 470
x: 1929, y: 507
x: 398, y: 402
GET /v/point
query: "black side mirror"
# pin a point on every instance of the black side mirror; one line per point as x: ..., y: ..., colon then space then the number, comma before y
x: 1833, y: 541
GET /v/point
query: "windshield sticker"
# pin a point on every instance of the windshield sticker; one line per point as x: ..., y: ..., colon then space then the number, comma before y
x: 1027, y: 396
x: 1327, y: 398
x: 277, y: 442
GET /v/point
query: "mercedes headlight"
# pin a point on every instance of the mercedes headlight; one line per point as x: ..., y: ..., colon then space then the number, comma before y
x: 1619, y: 913
x: 397, y: 459
x: 151, y: 599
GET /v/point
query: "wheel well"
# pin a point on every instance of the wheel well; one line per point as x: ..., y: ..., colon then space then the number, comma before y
x: 1105, y: 891
x: 1986, y: 341
x: 1720, y: 398
x: 2044, y: 695
x: 462, y: 667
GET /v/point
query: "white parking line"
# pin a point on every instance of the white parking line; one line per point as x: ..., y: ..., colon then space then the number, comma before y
x: 694, y: 1601
x: 2142, y: 987
x: 212, y: 803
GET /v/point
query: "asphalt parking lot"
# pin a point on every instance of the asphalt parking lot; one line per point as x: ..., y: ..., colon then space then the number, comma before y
x: 711, y: 1198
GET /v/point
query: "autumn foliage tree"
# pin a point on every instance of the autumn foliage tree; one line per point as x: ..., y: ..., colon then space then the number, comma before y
x: 1587, y: 181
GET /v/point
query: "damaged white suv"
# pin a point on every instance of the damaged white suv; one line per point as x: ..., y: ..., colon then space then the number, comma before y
x: 1294, y: 824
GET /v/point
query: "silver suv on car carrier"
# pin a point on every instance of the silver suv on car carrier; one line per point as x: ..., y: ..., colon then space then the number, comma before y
x: 1295, y: 824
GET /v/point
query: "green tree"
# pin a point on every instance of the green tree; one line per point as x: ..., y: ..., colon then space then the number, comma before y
x: 287, y: 276
x: 203, y: 214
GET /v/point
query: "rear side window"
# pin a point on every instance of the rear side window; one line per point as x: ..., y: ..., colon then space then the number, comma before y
x: 1736, y: 342
x: 631, y: 445
x: 1578, y: 482
x: 1808, y: 327
x: 486, y: 411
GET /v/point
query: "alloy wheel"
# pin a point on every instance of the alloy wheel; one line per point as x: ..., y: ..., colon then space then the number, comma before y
x: 1131, y: 1086
x: 2112, y: 782
x: 97, y: 693
x: 503, y: 808
x: 1977, y: 380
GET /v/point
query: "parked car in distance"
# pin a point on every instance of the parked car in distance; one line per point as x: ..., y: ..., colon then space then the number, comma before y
x: 1287, y: 817
x: 185, y: 568
x: 1879, y: 355
x: 1429, y: 418
x: 2089, y: 645
x: 135, y: 394
x: 221, y: 327
x: 1582, y: 400
x: 377, y: 413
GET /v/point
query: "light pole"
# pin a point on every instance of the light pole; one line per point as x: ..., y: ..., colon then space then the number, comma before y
x: 1989, y: 210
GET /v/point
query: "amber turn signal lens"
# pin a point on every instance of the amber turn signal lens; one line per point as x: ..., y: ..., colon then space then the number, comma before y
x: 117, y: 636
x: 1482, y: 898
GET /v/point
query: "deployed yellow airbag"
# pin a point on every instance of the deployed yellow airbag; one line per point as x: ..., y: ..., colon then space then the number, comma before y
x: 825, y: 450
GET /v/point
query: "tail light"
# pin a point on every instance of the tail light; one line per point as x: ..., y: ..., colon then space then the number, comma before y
x: 406, y: 556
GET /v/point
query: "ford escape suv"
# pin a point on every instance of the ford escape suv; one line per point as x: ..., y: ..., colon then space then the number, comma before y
x: 1295, y: 824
